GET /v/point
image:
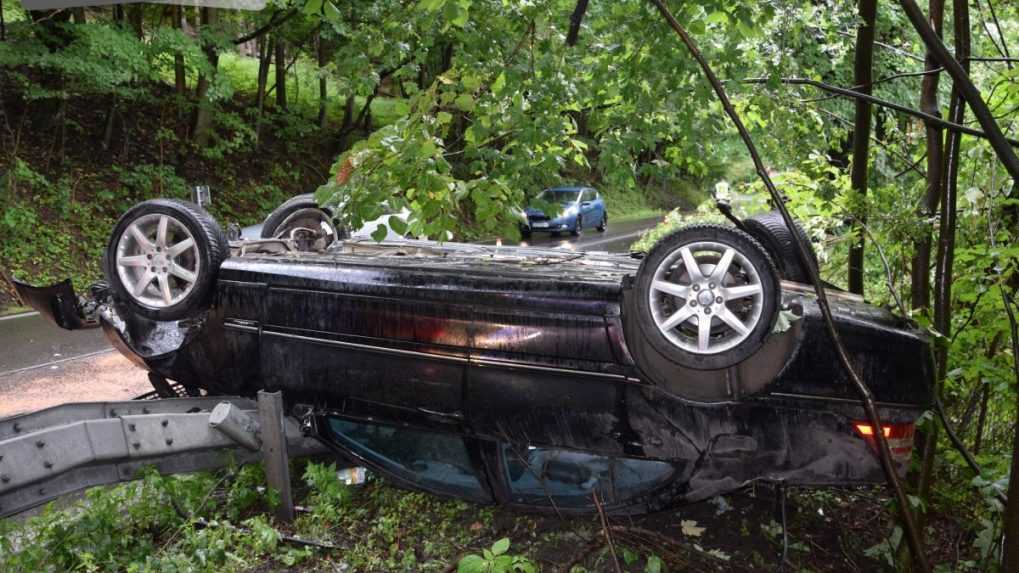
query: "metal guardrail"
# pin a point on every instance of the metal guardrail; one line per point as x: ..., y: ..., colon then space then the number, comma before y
x: 63, y: 449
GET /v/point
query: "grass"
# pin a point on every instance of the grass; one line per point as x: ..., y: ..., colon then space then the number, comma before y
x: 302, y: 89
x: 14, y: 309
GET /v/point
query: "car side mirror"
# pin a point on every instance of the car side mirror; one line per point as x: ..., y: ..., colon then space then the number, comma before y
x: 585, y: 204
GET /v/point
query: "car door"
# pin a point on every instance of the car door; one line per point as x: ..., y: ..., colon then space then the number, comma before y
x: 587, y: 207
x: 361, y: 343
x: 599, y: 207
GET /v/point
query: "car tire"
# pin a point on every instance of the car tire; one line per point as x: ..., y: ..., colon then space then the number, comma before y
x: 604, y: 222
x: 741, y: 300
x: 525, y: 232
x: 578, y: 227
x: 291, y: 206
x: 771, y: 231
x: 163, y: 258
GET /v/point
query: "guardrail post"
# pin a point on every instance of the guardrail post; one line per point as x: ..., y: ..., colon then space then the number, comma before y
x: 274, y: 452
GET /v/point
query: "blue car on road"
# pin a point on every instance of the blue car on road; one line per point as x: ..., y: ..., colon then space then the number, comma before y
x: 565, y: 209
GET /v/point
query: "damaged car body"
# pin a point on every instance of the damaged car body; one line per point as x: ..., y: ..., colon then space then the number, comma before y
x: 515, y: 375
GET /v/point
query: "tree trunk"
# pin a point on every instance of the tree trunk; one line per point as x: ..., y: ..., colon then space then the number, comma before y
x: 136, y: 16
x: 921, y: 276
x: 322, y: 100
x: 265, y: 49
x: 862, y: 78
x: 921, y: 296
x: 179, y: 72
x: 981, y: 419
x: 281, y: 74
x: 1011, y: 521
x: 946, y: 239
x: 203, y: 116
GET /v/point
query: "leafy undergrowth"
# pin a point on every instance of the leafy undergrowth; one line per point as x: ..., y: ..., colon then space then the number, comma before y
x: 221, y: 522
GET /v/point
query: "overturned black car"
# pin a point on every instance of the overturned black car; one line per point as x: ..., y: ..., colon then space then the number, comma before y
x: 523, y: 376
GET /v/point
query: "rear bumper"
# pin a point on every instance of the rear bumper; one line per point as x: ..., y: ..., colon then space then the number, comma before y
x: 60, y: 304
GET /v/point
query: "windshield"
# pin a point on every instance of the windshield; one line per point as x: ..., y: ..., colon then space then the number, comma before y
x: 559, y: 195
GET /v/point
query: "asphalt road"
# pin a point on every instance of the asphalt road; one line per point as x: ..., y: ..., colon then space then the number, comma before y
x: 29, y: 343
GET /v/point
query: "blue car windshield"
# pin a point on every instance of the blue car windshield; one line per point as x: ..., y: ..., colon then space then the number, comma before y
x: 561, y: 196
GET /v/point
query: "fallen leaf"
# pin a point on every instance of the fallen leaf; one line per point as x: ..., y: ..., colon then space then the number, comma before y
x: 689, y: 527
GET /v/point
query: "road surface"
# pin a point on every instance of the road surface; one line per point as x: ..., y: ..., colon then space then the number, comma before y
x: 42, y: 365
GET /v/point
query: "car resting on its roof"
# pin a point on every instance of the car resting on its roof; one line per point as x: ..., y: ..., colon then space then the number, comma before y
x: 514, y: 375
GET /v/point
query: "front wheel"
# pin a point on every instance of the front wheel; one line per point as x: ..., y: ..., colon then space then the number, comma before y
x: 578, y: 227
x: 604, y: 223
x: 706, y: 296
x: 163, y: 257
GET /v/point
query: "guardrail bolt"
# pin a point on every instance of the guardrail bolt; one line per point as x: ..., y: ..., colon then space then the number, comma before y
x: 40, y: 444
x: 169, y: 441
x: 131, y: 427
x: 17, y: 428
x: 42, y: 491
x: 165, y: 423
x: 113, y: 413
x: 47, y: 464
x: 145, y: 410
x: 136, y: 445
x: 5, y: 478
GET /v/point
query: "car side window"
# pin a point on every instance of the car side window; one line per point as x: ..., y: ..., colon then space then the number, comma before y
x: 587, y: 196
x: 569, y: 478
x: 434, y: 461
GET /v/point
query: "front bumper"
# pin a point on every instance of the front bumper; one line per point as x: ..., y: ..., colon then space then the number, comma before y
x: 552, y: 225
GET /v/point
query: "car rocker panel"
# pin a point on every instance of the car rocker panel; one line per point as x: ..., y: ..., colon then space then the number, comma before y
x: 503, y: 360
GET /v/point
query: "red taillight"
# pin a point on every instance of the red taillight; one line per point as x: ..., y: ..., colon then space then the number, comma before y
x: 866, y: 430
x: 898, y: 436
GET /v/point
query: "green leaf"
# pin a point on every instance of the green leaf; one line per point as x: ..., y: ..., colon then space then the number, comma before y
x: 431, y: 5
x: 718, y: 18
x: 501, y: 546
x: 313, y: 6
x: 499, y: 84
x: 397, y: 224
x: 471, y: 564
x: 465, y: 102
x: 380, y: 233
x: 654, y: 565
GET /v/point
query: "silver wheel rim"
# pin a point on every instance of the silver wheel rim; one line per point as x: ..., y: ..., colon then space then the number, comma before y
x: 157, y: 261
x: 706, y: 297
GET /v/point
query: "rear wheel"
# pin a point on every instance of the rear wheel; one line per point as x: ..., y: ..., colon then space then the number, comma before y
x: 301, y: 212
x: 771, y: 231
x: 706, y: 296
x: 163, y: 257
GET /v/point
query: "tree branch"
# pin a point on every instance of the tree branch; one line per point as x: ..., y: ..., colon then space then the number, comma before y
x: 278, y: 17
x: 966, y: 88
x: 933, y: 119
x: 575, y: 20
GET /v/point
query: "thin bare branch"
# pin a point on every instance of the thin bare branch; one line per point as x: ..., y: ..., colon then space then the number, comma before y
x: 932, y: 119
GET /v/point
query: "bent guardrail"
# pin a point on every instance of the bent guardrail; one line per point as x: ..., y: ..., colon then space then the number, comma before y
x: 60, y: 450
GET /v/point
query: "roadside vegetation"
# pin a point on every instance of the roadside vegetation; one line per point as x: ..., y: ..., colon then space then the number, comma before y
x: 459, y: 110
x: 222, y: 522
